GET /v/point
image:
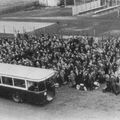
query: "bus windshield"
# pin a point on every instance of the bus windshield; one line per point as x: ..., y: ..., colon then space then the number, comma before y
x: 36, y: 86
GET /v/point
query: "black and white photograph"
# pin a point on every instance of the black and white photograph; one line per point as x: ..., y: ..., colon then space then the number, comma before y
x: 59, y: 59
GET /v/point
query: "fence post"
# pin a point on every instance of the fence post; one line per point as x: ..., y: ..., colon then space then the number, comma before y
x: 4, y: 29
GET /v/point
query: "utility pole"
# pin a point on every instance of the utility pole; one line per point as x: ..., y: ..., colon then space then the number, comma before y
x: 74, y: 2
x: 65, y: 3
x: 116, y: 2
x: 84, y: 1
x: 118, y: 8
x: 106, y: 3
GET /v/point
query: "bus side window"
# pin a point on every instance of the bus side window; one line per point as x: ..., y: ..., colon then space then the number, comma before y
x: 19, y: 83
x: 7, y: 80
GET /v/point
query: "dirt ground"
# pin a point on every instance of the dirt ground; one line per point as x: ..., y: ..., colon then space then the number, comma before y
x: 90, y: 105
x: 69, y: 104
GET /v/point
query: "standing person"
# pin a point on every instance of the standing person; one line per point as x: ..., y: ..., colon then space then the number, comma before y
x: 62, y: 75
x: 87, y: 81
x: 90, y: 41
x: 108, y: 84
x: 80, y: 81
x: 79, y: 78
x: 72, y: 79
x: 115, y: 86
x: 67, y: 72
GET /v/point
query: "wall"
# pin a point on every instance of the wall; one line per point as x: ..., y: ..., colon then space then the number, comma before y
x: 85, y: 7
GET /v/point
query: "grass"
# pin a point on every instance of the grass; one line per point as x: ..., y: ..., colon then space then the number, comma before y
x: 9, y: 6
x: 42, y: 12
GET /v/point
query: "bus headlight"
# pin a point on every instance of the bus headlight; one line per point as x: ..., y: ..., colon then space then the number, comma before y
x: 45, y: 93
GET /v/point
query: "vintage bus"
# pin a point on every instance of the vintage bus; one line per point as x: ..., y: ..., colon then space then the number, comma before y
x: 27, y: 84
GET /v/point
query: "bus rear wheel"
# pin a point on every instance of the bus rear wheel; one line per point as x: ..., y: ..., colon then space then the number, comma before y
x: 17, y: 98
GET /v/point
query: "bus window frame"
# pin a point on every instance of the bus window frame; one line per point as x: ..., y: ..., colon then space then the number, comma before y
x: 18, y: 79
x: 4, y: 83
x: 12, y: 86
x: 0, y: 80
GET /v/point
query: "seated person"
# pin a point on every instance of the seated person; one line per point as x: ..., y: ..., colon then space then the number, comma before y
x: 112, y: 84
x: 33, y: 87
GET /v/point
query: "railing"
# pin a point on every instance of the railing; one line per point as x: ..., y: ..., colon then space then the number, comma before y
x: 106, y: 10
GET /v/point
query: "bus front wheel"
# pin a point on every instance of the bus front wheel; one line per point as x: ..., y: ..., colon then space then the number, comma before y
x: 17, y: 98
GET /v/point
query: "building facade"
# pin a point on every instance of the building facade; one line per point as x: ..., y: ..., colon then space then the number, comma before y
x: 49, y: 2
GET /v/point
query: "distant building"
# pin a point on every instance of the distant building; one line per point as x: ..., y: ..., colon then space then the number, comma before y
x: 49, y: 2
x: 77, y: 2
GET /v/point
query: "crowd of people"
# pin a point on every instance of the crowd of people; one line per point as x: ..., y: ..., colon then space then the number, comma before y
x: 81, y: 62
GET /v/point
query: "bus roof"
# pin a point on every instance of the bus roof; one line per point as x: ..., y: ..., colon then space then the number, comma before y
x: 26, y: 73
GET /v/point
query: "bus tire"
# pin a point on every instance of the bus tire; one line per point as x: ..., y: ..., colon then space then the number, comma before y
x: 17, y: 98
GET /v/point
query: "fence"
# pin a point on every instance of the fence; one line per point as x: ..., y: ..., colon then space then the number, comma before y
x: 86, y: 7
